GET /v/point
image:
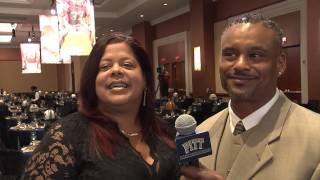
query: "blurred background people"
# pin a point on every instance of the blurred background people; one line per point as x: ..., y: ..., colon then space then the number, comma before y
x: 163, y: 77
x: 36, y: 95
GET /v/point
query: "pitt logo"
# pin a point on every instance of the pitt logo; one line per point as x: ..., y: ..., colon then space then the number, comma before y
x: 193, y: 145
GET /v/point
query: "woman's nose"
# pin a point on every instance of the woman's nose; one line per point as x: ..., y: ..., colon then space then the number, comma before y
x: 116, y: 69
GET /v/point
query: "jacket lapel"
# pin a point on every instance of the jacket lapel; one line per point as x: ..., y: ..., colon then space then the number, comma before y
x: 256, y: 151
x: 215, y: 127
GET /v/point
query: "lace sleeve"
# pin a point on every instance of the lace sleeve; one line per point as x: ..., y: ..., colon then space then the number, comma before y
x: 53, y: 158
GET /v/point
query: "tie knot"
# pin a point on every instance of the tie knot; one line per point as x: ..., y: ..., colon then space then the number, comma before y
x: 239, y: 128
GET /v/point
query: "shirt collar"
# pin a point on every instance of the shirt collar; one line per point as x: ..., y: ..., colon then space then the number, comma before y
x: 255, y: 117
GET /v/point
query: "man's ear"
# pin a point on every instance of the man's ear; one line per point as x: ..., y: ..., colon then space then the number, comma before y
x: 282, y: 63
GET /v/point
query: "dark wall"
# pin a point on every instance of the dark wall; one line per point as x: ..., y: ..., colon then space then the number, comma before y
x: 291, y: 79
x: 290, y: 24
x: 228, y: 8
x: 201, y: 33
x: 313, y: 33
x: 172, y: 56
x: 172, y: 26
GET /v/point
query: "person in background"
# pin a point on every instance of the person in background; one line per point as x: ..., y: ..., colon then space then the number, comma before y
x: 4, y: 112
x: 116, y: 134
x: 36, y: 95
x: 262, y: 134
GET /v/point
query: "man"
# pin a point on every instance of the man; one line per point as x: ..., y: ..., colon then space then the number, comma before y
x: 36, y: 93
x: 281, y: 139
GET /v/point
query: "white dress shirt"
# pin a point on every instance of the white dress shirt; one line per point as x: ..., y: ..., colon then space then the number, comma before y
x: 255, y: 117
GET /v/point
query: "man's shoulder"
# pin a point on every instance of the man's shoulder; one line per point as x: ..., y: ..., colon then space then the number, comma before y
x: 304, y: 114
x: 213, y: 120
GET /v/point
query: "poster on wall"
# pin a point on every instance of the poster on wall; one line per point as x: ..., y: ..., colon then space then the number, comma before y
x: 76, y: 27
x: 30, y: 55
x: 49, y: 40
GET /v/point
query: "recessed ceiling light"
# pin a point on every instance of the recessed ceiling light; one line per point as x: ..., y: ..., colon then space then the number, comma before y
x: 141, y: 15
x: 165, y: 4
x: 111, y: 30
x: 53, y: 11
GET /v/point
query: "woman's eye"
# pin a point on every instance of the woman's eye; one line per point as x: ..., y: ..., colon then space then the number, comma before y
x: 129, y: 65
x: 105, y: 67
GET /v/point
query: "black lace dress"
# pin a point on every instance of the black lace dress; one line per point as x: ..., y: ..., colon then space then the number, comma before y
x: 63, y: 154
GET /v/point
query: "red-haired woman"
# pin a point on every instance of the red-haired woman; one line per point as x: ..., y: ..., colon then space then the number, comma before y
x: 116, y: 134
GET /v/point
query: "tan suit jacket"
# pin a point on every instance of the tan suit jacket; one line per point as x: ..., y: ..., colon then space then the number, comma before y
x: 285, y: 146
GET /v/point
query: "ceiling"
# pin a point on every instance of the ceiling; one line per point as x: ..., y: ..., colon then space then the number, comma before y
x: 110, y: 15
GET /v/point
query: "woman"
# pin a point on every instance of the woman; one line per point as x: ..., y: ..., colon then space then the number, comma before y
x: 116, y: 134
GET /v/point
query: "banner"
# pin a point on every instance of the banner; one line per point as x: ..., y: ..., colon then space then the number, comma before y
x: 49, y: 40
x: 76, y: 27
x: 30, y: 55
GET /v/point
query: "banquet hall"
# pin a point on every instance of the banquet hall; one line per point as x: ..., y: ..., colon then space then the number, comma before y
x: 182, y: 39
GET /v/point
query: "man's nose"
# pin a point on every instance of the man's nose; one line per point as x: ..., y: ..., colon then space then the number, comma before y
x: 241, y: 62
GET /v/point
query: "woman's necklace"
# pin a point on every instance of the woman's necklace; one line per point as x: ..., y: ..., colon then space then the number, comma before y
x: 130, y: 134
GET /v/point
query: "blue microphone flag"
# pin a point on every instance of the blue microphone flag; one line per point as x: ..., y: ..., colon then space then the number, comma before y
x: 193, y: 146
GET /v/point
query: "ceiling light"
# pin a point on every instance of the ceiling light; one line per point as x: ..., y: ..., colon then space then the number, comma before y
x: 53, y: 7
x: 53, y: 11
x: 7, y: 27
x: 165, y: 4
x: 5, y: 38
x: 141, y: 15
x: 29, y: 38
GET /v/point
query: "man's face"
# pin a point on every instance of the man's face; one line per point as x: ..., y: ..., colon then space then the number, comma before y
x: 251, y: 61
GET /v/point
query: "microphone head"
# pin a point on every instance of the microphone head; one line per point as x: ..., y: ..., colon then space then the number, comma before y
x: 185, y: 124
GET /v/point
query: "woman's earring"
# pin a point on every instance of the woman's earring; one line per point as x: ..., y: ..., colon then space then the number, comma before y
x: 144, y: 103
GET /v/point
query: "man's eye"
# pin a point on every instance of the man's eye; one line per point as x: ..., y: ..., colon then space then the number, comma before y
x: 256, y: 55
x: 229, y: 55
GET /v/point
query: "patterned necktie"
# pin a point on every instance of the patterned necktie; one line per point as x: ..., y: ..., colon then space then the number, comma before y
x: 239, y: 128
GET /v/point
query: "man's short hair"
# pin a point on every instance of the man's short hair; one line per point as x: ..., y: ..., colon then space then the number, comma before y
x: 258, y: 18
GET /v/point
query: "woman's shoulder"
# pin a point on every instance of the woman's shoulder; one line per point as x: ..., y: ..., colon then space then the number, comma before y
x: 72, y: 129
x: 60, y: 149
x: 75, y: 121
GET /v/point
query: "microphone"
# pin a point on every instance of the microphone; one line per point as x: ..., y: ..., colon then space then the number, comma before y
x: 190, y: 145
